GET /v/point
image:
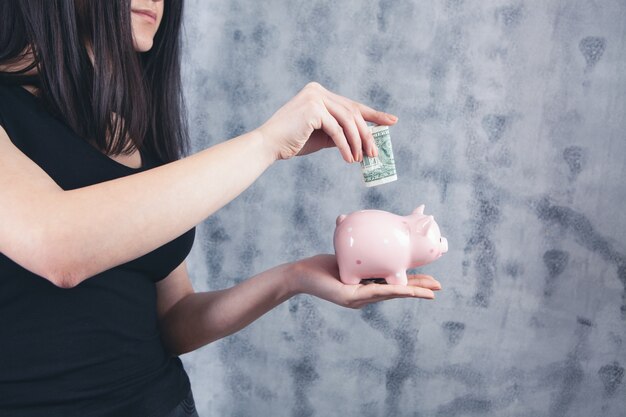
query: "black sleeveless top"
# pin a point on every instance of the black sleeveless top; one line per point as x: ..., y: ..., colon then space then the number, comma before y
x: 93, y: 350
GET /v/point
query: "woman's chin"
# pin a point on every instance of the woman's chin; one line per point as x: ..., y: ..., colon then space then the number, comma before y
x: 143, y: 44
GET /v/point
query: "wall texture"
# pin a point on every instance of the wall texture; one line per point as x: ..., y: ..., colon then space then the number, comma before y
x: 513, y: 133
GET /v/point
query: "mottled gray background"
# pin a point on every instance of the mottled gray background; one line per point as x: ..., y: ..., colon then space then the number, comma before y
x: 513, y: 133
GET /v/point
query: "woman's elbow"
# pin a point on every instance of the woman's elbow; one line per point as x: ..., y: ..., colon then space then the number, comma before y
x: 58, y: 266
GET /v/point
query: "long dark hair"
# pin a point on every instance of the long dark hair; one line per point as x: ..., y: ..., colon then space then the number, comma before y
x: 142, y: 90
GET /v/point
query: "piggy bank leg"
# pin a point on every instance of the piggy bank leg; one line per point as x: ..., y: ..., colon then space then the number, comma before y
x: 399, y: 278
x: 347, y: 275
x: 350, y: 279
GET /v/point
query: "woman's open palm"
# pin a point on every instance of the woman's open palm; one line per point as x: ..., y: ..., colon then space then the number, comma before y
x: 319, y: 276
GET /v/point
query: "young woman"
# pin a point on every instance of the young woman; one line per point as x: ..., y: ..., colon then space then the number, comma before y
x: 98, y: 208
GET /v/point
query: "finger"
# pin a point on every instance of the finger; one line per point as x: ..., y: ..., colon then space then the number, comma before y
x: 424, y: 281
x: 332, y: 128
x: 364, y: 302
x: 421, y: 276
x: 369, y: 145
x: 369, y: 114
x: 346, y: 120
x: 375, y: 116
x: 420, y: 292
x: 378, y: 290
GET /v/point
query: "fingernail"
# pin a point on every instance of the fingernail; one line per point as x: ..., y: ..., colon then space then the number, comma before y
x: 392, y: 117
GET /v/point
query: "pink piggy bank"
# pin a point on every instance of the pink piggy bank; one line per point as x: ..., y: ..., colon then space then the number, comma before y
x: 379, y: 244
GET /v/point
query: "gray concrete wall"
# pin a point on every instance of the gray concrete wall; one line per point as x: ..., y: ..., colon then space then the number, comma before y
x: 513, y: 133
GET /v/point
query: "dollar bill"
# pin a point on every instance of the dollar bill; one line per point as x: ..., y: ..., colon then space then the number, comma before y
x: 381, y: 169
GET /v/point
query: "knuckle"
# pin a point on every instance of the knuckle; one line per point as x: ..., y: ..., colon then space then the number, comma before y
x: 313, y: 85
x: 306, y: 94
x: 311, y: 102
x: 309, y: 95
x: 314, y: 108
x: 337, y: 130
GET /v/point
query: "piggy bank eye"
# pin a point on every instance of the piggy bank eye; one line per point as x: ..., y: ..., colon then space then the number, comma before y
x: 439, y: 240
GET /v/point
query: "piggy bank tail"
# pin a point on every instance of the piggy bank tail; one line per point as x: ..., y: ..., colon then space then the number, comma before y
x: 341, y: 218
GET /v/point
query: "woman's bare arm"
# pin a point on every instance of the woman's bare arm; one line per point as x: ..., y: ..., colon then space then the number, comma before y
x: 69, y: 236
x: 201, y: 318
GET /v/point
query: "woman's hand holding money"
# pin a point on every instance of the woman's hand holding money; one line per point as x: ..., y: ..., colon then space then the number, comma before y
x: 317, y: 118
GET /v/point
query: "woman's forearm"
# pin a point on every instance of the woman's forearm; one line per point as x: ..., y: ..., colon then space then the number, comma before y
x: 202, y: 318
x: 92, y: 229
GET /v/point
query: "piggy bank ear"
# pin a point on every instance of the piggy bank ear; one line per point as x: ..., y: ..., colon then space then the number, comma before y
x: 423, y: 224
x: 432, y: 230
x: 419, y: 210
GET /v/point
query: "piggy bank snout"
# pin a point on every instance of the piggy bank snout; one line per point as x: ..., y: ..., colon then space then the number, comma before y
x: 444, y: 245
